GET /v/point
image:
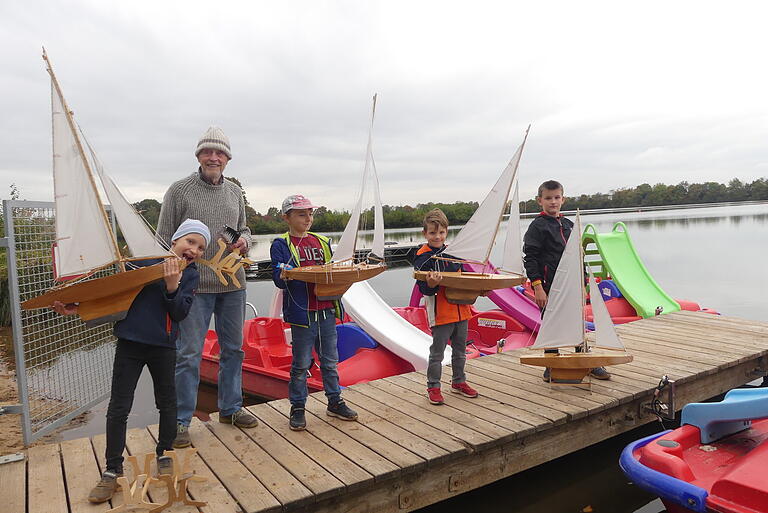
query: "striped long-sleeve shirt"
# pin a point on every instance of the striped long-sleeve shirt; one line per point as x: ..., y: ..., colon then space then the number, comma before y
x: 214, y: 205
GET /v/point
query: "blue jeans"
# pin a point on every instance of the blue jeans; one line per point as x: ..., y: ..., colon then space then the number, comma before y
x: 229, y: 308
x: 321, y: 335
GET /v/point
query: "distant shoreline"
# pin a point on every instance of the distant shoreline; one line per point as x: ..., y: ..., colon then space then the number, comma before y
x: 651, y: 208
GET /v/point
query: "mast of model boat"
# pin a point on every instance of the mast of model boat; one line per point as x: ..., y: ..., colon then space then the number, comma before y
x: 584, y: 341
x: 71, y: 124
x: 475, y: 240
x: 348, y: 242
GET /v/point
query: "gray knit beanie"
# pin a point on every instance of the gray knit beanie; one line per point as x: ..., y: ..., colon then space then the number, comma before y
x: 214, y: 139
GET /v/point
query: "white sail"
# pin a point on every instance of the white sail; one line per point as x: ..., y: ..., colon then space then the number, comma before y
x: 345, y: 250
x: 137, y: 234
x: 605, y: 333
x: 83, y: 238
x: 563, y: 321
x: 378, y: 216
x: 475, y: 240
x: 512, y: 260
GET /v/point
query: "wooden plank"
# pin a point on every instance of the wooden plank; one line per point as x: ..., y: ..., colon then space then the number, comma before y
x: 502, y: 383
x: 595, y: 399
x: 401, y: 429
x: 139, y: 442
x: 488, y: 399
x: 504, y: 393
x: 211, y: 491
x: 621, y: 390
x: 13, y: 477
x: 703, y: 338
x: 336, y: 437
x: 645, y: 356
x: 81, y: 473
x: 731, y: 323
x: 309, y: 473
x: 239, y: 482
x: 476, y: 408
x: 417, y: 406
x: 574, y: 397
x: 348, y: 472
x: 736, y: 329
x: 689, y: 359
x: 45, y: 480
x: 281, y: 483
x: 401, y: 457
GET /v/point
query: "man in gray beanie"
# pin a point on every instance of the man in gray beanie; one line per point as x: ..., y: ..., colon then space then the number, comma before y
x: 207, y: 196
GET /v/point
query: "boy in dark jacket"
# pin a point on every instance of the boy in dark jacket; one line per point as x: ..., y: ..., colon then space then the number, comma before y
x: 543, y: 246
x: 448, y: 321
x: 147, y: 336
x: 313, y: 321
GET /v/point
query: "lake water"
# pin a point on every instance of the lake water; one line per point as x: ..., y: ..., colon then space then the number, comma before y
x: 709, y: 255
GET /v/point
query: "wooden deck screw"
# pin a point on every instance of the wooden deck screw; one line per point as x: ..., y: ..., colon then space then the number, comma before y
x: 455, y: 482
x: 405, y: 499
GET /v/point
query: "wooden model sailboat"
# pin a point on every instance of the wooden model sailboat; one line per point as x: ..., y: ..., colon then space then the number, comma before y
x: 85, y: 243
x: 334, y: 278
x: 476, y: 239
x: 563, y: 322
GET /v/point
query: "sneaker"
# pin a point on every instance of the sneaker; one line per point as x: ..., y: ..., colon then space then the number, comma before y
x: 241, y: 418
x: 341, y: 411
x: 463, y: 389
x: 164, y: 466
x: 435, y: 396
x: 297, y: 422
x: 546, y: 377
x: 600, y: 373
x: 182, y: 437
x: 106, y: 487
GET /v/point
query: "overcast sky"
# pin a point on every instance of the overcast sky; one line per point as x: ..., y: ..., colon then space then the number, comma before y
x: 617, y: 93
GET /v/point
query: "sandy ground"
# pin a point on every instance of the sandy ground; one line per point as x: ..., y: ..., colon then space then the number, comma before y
x: 11, y: 438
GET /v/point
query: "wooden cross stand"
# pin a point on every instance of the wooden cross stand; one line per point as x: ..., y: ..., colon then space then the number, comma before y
x: 134, y: 494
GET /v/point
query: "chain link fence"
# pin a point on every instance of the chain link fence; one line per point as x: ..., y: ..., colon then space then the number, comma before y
x: 62, y: 368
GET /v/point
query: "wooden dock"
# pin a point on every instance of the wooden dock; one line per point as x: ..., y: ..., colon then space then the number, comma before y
x: 403, y: 453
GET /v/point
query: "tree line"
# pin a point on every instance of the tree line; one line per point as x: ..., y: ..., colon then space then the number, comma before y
x: 407, y: 216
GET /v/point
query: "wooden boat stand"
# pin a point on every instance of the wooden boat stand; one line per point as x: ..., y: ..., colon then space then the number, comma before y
x: 570, y: 369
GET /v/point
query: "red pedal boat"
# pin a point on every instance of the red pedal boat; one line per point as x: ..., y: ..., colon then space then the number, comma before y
x: 716, y: 461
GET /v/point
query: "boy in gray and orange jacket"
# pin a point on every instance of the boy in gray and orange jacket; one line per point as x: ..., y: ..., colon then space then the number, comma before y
x: 448, y: 321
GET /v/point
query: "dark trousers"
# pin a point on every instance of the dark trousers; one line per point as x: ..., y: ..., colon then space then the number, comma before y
x: 130, y: 359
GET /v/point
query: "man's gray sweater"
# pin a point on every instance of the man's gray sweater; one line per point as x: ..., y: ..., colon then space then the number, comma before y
x: 214, y: 205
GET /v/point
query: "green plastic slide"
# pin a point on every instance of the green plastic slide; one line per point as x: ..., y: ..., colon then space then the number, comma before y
x: 618, y: 260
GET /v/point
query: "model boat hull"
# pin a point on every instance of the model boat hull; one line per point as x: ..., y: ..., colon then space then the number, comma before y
x: 571, y: 368
x: 106, y: 298
x: 463, y: 288
x: 333, y: 280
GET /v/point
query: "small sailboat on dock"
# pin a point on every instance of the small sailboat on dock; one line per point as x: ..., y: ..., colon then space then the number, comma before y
x: 86, y: 247
x: 563, y: 322
x: 333, y: 279
x: 474, y: 242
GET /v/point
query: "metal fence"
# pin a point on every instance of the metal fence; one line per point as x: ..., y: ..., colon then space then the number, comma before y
x: 62, y: 368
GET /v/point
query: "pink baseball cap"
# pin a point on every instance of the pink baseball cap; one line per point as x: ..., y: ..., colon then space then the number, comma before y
x: 296, y: 201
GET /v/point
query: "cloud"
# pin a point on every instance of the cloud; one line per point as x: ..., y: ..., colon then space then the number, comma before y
x: 617, y: 94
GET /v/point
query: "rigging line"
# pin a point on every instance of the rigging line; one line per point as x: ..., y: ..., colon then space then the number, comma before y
x: 97, y: 161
